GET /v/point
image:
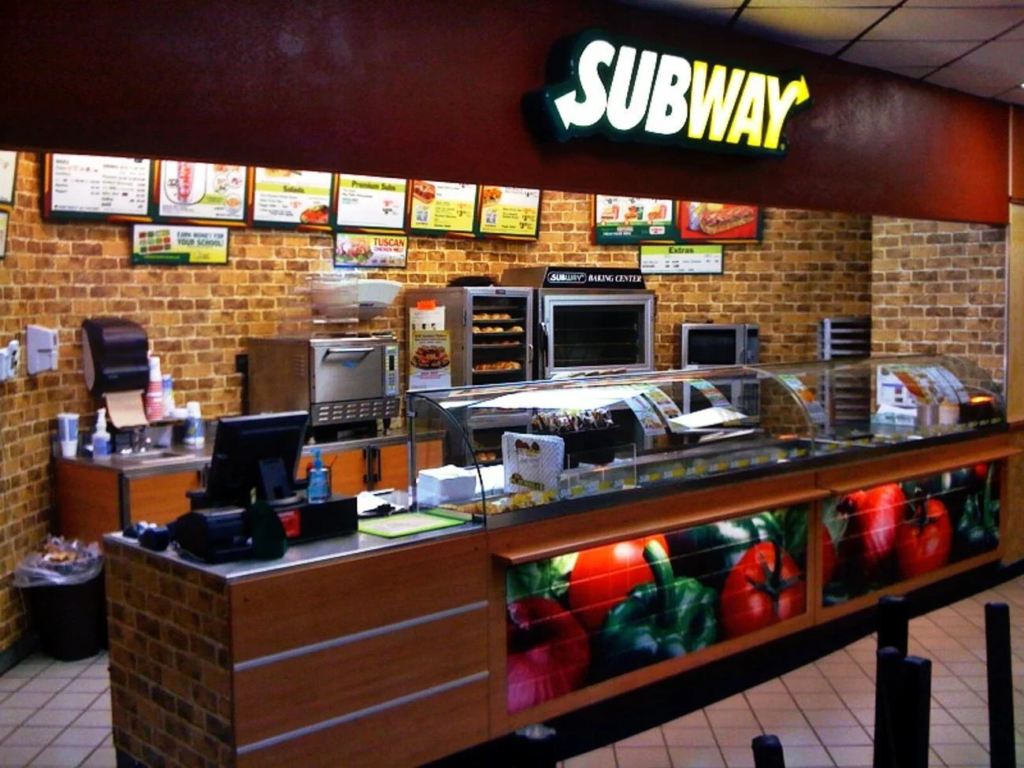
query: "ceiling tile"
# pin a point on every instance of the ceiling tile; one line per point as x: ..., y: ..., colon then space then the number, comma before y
x: 945, y: 24
x: 965, y: 80
x: 1016, y: 96
x: 915, y: 72
x: 795, y: 24
x: 1017, y: 33
x: 708, y: 11
x: 827, y: 47
x: 991, y: 69
x: 905, y: 54
x: 820, y: 3
x: 964, y: 4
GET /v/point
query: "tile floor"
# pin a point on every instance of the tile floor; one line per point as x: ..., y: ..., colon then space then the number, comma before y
x: 57, y: 714
x: 823, y: 713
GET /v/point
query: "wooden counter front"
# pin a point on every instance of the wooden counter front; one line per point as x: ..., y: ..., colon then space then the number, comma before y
x: 399, y: 656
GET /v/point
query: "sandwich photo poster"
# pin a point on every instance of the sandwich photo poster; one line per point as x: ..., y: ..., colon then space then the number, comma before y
x: 200, y: 193
x: 719, y: 222
x: 508, y: 213
x: 442, y: 208
x: 633, y: 220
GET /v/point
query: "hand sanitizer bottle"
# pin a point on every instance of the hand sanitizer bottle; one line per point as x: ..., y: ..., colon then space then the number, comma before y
x: 100, y: 437
x: 319, y: 488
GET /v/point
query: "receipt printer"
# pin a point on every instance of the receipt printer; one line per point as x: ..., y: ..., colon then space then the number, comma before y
x: 115, y: 355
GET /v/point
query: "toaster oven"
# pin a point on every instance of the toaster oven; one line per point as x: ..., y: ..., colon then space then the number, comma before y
x: 339, y: 380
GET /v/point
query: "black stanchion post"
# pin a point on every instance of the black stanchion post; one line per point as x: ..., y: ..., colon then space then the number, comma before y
x: 887, y: 680
x: 767, y: 752
x: 912, y: 722
x: 1000, y: 685
x: 893, y: 621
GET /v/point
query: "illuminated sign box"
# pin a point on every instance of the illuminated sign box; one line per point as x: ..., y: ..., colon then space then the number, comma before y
x: 628, y: 90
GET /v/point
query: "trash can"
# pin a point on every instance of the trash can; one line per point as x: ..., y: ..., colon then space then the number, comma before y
x: 64, y: 589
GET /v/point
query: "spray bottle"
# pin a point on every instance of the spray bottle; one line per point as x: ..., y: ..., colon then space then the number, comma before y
x: 100, y: 436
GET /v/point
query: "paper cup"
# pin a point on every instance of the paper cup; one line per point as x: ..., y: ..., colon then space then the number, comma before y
x: 69, y: 448
x: 67, y: 427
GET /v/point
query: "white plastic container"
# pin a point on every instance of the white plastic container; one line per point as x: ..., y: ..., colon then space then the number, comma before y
x: 194, y: 437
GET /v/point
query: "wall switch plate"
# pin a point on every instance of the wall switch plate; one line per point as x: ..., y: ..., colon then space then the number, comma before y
x: 42, y: 346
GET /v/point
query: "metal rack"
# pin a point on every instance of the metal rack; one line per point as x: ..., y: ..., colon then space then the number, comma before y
x: 847, y: 396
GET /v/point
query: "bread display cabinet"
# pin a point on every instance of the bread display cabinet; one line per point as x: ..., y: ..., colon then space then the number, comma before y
x: 599, y: 534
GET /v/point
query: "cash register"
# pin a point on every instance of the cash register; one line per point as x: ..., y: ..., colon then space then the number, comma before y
x: 256, y: 458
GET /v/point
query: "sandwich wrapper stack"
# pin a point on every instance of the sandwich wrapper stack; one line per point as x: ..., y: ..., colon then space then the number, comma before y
x: 532, y: 462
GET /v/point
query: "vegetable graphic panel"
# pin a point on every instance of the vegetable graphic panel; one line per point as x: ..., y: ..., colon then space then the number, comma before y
x: 879, y: 536
x: 591, y: 615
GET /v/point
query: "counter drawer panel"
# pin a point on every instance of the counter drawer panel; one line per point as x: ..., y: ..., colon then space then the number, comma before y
x: 87, y: 501
x: 353, y: 676
x: 412, y: 734
x: 296, y: 608
x: 161, y: 499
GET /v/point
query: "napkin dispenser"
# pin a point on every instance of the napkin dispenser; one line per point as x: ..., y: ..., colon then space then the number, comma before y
x: 115, y: 355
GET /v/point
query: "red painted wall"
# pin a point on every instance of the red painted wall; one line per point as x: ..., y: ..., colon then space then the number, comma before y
x: 432, y: 89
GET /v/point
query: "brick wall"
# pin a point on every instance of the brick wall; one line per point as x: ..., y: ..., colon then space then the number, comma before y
x: 170, y: 677
x: 810, y: 265
x: 939, y: 287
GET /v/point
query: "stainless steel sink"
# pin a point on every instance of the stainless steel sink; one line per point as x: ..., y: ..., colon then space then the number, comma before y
x: 146, y: 457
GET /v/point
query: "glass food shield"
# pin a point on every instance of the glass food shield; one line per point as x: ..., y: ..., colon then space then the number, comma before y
x: 510, y: 452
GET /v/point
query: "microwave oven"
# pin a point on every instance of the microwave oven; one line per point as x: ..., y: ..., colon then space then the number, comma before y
x: 720, y: 344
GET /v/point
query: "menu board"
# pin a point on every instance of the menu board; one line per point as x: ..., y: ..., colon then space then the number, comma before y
x: 8, y: 170
x: 369, y: 203
x: 352, y: 250
x: 169, y: 245
x: 633, y: 220
x: 509, y: 212
x: 201, y: 192
x: 681, y: 259
x: 719, y: 222
x: 290, y: 199
x: 4, y: 220
x: 96, y: 187
x: 441, y: 208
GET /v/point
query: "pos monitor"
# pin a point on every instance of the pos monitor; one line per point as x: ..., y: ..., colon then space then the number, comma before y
x: 256, y: 453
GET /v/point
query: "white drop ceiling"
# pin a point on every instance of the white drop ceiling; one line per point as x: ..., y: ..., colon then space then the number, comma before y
x: 976, y: 46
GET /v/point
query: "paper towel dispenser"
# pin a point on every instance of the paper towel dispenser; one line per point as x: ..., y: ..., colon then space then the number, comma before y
x: 115, y: 355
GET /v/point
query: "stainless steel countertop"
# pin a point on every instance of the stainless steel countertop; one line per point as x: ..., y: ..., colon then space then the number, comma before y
x: 299, y: 555
x: 181, y: 458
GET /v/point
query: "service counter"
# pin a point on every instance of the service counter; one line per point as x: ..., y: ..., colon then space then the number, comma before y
x: 98, y: 496
x: 355, y: 652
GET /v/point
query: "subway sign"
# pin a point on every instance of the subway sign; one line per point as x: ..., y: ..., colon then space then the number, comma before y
x: 627, y: 90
